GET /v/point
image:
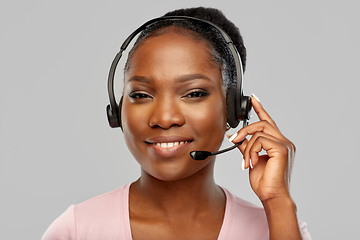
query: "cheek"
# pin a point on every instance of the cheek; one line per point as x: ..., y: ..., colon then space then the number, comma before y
x: 209, y: 118
x: 209, y: 121
x: 133, y: 122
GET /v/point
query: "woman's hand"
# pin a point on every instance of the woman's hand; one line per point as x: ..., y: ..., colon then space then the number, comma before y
x: 270, y: 173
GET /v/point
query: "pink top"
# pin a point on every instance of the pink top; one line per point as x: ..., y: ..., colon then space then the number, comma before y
x: 107, y: 217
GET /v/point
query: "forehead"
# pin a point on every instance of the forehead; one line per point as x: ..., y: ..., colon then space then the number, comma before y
x: 170, y: 58
x: 171, y: 45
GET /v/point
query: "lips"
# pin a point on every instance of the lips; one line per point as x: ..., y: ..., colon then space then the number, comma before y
x: 167, y: 146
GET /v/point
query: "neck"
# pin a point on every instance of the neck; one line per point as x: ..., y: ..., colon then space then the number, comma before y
x: 195, y: 193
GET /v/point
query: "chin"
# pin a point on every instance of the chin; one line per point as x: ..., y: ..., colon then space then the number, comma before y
x: 172, y: 173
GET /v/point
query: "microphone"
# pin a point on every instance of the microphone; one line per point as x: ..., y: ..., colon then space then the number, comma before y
x: 202, y: 155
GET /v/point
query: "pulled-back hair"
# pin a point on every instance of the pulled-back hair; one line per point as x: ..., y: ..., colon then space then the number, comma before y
x: 218, y: 47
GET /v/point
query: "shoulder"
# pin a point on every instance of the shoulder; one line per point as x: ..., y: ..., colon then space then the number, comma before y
x: 248, y: 220
x: 102, y: 205
x: 92, y: 218
x: 242, y: 208
x: 63, y: 227
x: 244, y: 219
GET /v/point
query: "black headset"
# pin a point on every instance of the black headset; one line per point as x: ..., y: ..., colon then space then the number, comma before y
x: 238, y: 105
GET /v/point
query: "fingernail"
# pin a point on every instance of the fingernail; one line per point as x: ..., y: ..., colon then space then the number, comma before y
x: 243, y: 165
x: 257, y: 99
x: 232, y: 137
x: 251, y: 166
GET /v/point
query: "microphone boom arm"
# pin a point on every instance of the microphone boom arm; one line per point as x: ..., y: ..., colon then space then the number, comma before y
x: 202, y: 155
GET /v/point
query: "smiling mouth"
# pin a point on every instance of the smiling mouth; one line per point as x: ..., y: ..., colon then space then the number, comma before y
x: 169, y: 144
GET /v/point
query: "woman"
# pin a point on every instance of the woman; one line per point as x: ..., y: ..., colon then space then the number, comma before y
x: 176, y: 81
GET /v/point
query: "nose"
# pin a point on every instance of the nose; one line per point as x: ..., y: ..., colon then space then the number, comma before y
x: 166, y: 113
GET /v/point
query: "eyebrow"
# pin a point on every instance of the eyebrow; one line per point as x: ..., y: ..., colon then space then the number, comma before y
x: 181, y: 79
x: 189, y: 77
x: 140, y: 79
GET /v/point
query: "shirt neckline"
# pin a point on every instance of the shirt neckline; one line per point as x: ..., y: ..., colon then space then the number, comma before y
x: 224, y: 226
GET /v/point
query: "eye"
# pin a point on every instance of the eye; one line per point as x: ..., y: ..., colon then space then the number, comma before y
x: 139, y: 95
x: 197, y: 94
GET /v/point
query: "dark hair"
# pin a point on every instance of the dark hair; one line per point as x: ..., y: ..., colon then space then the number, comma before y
x: 218, y: 18
x: 218, y: 47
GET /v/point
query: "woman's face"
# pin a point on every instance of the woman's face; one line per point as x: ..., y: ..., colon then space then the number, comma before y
x: 173, y: 104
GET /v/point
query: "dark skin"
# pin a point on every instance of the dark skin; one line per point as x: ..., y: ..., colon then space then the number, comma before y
x: 181, y: 210
x: 174, y: 103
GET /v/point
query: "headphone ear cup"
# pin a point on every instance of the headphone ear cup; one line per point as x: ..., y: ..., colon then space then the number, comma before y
x: 231, y: 108
x: 120, y: 106
x: 114, y: 115
x: 245, y: 108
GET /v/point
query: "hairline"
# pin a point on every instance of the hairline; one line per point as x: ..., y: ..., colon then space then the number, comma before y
x: 215, y: 57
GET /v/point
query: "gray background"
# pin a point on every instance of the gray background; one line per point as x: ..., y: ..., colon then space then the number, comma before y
x: 56, y: 147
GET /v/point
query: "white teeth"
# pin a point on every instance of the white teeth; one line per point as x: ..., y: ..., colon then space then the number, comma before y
x: 169, y: 144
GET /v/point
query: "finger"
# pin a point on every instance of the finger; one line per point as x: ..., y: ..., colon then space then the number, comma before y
x: 276, y: 152
x: 261, y: 126
x: 260, y: 111
x: 254, y: 147
x: 257, y: 173
x: 242, y: 146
